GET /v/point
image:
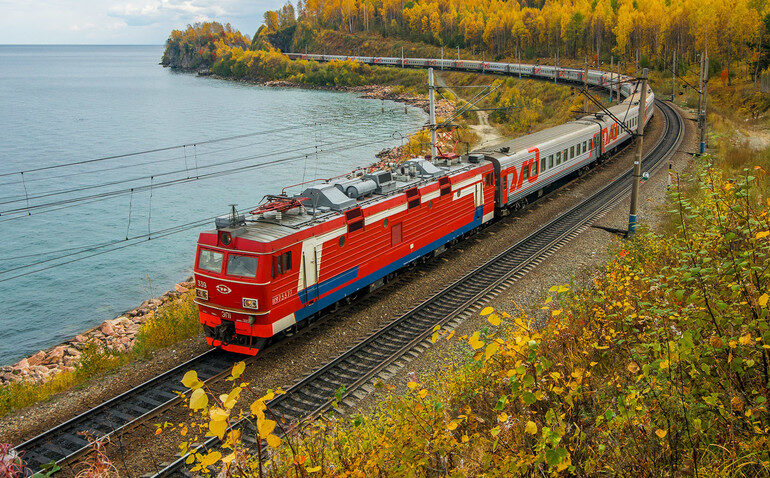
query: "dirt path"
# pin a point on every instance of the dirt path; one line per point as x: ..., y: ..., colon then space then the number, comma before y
x: 487, y: 133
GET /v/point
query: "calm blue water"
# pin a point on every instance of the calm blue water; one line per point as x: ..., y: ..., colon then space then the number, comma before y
x: 60, y: 104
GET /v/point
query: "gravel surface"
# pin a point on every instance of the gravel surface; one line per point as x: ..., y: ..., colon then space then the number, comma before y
x: 140, y: 450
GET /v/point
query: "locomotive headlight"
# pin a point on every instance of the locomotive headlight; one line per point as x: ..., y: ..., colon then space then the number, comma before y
x: 250, y: 304
x: 202, y: 294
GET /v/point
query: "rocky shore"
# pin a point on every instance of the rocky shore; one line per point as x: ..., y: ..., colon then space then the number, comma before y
x: 118, y: 335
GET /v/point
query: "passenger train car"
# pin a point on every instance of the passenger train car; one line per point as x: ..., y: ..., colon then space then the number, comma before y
x: 296, y: 256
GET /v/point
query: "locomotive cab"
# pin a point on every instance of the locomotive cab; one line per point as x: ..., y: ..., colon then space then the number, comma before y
x: 232, y: 284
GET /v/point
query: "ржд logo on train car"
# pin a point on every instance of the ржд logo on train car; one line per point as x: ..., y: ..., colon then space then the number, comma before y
x: 223, y: 289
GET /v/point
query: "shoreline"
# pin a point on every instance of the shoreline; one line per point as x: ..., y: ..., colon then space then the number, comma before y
x: 117, y: 335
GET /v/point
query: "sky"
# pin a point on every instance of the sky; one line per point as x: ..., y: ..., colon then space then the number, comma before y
x: 135, y: 22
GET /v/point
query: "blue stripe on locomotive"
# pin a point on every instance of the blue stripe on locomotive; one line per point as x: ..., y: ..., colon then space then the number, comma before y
x: 335, y: 281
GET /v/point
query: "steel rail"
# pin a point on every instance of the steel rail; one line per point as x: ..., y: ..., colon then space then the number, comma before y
x: 359, y: 365
x: 70, y: 440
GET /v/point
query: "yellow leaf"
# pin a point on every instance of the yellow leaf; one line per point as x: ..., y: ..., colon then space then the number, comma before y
x: 211, y: 458
x: 632, y: 367
x: 238, y: 369
x: 314, y: 469
x: 266, y: 427
x: 762, y: 234
x: 268, y: 396
x: 451, y: 334
x: 555, y: 312
x: 661, y: 433
x: 198, y: 399
x: 258, y: 408
x: 548, y: 300
x: 434, y: 337
x: 437, y: 327
x: 452, y: 425
x: 465, y: 439
x: 495, y: 431
x: 411, y: 384
x: 494, y: 319
x: 218, y: 428
x: 228, y: 458
x: 491, y: 350
x: 762, y: 301
x: 190, y: 380
x: 530, y: 427
x: 423, y: 393
x: 232, y: 398
x: 745, y: 339
x: 158, y: 431
x: 487, y: 310
x: 218, y: 415
x: 664, y: 364
x: 273, y: 441
x: 475, y: 342
x: 503, y: 417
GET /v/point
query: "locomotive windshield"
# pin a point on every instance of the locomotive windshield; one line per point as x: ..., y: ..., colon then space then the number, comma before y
x: 241, y: 266
x: 210, y: 260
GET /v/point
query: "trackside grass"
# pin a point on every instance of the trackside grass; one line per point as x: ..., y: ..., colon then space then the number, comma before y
x: 659, y: 369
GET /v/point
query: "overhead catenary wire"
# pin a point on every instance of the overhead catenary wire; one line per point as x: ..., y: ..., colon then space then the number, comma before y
x: 366, y: 120
x: 28, y: 208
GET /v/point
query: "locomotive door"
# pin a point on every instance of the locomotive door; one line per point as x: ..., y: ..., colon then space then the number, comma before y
x: 478, y: 197
x: 311, y: 264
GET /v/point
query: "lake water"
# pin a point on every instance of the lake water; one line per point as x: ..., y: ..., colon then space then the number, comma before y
x: 65, y: 104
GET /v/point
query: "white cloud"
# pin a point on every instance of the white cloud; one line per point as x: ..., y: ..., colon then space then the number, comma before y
x: 120, y: 21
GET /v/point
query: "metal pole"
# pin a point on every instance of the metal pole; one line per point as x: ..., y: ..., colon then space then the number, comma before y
x: 638, y: 160
x: 703, y: 108
x: 402, y: 57
x: 458, y: 52
x: 585, y: 87
x: 617, y: 83
x: 432, y: 112
x: 612, y: 77
x: 673, y: 79
x: 556, y: 68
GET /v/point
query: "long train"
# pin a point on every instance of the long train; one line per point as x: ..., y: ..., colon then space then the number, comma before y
x: 295, y: 256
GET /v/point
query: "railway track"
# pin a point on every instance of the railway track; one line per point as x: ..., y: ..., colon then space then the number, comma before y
x: 387, y: 349
x: 70, y: 439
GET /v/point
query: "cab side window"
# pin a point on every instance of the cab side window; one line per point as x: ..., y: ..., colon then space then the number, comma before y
x: 281, y: 264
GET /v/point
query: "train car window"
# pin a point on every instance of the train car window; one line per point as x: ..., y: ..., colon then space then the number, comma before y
x: 550, y: 161
x: 558, y: 158
x: 571, y: 152
x: 241, y: 266
x: 490, y: 180
x: 525, y: 172
x: 210, y: 260
x: 542, y: 163
x: 395, y: 234
x: 355, y: 219
x: 564, y: 156
x: 412, y: 198
x: 445, y: 186
x: 585, y: 146
x: 282, y: 264
x: 535, y: 169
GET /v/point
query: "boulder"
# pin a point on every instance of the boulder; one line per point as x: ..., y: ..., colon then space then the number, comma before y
x: 73, y: 351
x: 80, y: 339
x: 181, y: 288
x: 36, y: 359
x: 56, y: 354
x: 107, y: 329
